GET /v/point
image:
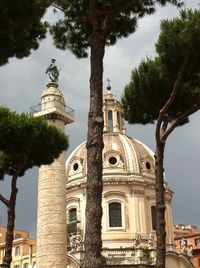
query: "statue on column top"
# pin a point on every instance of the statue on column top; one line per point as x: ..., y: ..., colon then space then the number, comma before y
x: 53, y: 71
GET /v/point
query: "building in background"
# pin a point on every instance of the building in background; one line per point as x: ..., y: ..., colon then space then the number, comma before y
x: 187, y: 239
x: 23, y: 251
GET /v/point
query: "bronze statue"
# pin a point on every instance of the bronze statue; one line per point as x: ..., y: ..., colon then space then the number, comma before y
x: 53, y: 71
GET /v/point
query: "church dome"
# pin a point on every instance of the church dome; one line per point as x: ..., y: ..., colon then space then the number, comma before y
x: 122, y: 155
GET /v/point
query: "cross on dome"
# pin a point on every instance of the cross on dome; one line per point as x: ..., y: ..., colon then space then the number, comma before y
x: 108, y: 86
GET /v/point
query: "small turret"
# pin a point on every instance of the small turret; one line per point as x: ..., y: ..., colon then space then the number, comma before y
x: 113, y: 113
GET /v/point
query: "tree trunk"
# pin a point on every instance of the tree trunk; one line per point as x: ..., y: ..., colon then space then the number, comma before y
x: 10, y: 223
x: 160, y: 207
x: 93, y: 240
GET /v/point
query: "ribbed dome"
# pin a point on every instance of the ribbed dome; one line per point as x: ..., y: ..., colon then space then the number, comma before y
x: 124, y: 158
x: 122, y: 155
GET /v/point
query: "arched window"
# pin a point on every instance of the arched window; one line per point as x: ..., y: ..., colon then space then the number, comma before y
x: 153, y: 217
x: 118, y: 119
x: 17, y: 251
x: 72, y: 221
x: 17, y: 236
x: 110, y: 121
x: 115, y: 214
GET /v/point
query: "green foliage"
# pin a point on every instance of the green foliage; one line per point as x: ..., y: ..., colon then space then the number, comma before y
x: 21, y: 27
x: 180, y: 39
x: 152, y: 82
x: 103, y: 260
x: 141, y: 97
x: 26, y: 141
x: 75, y: 29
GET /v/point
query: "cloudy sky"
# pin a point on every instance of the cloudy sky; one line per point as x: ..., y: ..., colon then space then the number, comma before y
x: 22, y: 83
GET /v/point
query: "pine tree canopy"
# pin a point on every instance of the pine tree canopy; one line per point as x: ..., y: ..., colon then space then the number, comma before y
x: 152, y: 82
x: 21, y: 27
x: 26, y: 141
x: 116, y: 18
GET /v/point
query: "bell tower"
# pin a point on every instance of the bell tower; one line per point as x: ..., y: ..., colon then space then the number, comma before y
x: 51, y: 211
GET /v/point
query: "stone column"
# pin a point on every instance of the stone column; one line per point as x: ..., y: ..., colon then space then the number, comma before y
x: 51, y: 215
x: 51, y: 224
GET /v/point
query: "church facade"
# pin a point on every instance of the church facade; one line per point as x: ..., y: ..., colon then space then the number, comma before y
x: 128, y: 200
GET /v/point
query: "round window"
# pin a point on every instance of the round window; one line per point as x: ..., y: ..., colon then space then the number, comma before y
x: 112, y: 160
x: 148, y: 165
x: 75, y: 166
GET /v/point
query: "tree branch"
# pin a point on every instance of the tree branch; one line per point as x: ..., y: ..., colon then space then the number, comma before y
x: 59, y: 8
x: 121, y: 7
x: 164, y: 124
x: 14, y: 186
x: 179, y: 120
x: 93, y: 13
x: 4, y: 200
x: 67, y: 22
x: 116, y: 10
x: 169, y: 102
x: 158, y: 126
x: 176, y: 86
